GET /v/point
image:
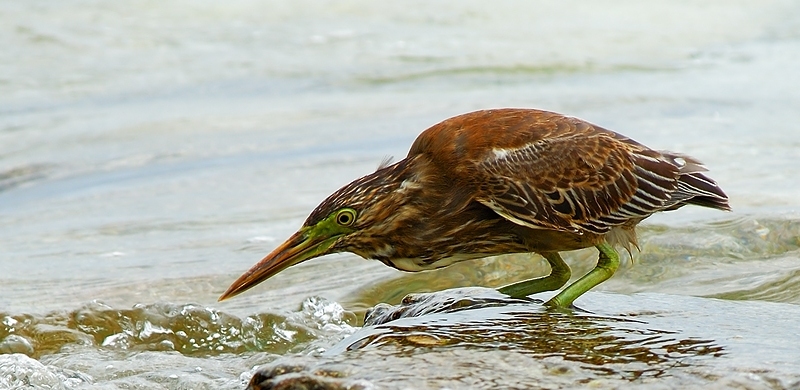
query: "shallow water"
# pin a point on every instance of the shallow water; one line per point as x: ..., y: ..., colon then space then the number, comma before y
x: 150, y: 153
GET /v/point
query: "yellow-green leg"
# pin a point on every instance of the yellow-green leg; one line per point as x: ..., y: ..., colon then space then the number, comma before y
x: 559, y: 276
x: 607, y: 264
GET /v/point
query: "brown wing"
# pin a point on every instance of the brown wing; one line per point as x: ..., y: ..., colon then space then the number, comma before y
x: 546, y: 170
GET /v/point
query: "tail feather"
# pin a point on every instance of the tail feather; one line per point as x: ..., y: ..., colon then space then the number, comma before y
x: 694, y: 187
x: 698, y: 189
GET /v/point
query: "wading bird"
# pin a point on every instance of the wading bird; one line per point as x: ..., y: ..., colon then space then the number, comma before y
x: 500, y: 181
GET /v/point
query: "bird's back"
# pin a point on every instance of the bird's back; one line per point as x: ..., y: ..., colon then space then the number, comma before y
x: 548, y: 171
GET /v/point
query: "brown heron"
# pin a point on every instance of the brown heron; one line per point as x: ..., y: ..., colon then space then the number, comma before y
x: 500, y: 181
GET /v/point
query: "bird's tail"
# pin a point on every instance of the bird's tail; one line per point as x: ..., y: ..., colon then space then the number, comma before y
x: 694, y: 187
x: 705, y: 191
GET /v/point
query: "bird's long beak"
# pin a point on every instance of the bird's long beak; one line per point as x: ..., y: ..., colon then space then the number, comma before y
x: 300, y: 247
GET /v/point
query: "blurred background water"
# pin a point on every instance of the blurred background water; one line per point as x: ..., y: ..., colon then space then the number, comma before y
x: 150, y: 152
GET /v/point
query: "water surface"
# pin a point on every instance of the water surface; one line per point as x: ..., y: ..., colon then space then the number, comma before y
x: 150, y: 153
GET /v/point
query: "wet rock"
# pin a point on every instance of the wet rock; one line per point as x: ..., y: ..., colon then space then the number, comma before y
x: 296, y: 375
x: 447, y: 301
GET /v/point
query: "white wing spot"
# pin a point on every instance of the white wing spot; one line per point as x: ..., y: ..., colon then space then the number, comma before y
x: 500, y: 154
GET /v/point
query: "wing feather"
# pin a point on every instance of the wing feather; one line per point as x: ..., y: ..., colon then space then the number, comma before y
x: 580, y: 178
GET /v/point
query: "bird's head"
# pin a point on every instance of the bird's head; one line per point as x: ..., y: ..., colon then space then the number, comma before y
x: 348, y: 220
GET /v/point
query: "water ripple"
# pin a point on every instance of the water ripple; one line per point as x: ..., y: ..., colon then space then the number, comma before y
x: 190, y: 329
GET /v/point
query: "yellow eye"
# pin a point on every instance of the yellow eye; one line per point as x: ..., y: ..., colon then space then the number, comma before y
x: 346, y: 217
